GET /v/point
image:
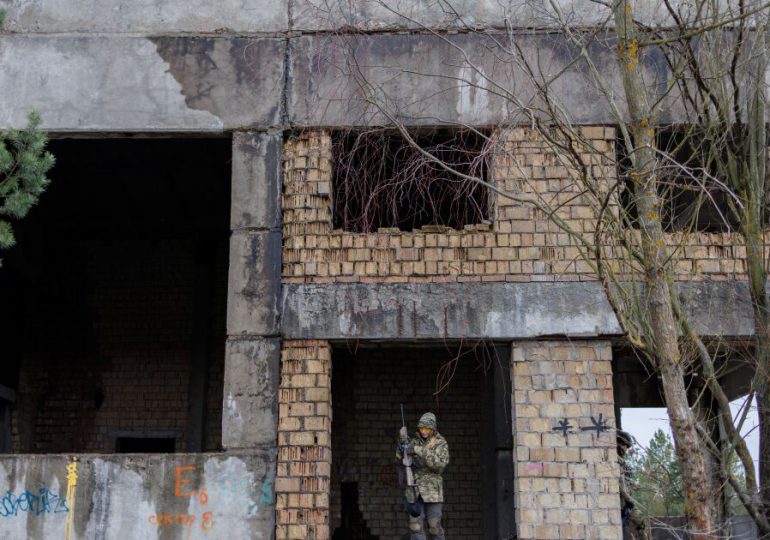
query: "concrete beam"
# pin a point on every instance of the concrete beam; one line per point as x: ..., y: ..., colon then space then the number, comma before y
x: 256, y: 181
x: 122, y: 497
x: 250, y: 411
x: 430, y: 80
x: 488, y: 310
x: 103, y: 83
x: 445, y: 311
x: 315, y: 15
x: 242, y: 16
x: 210, y: 84
x: 150, y: 17
x: 254, y: 284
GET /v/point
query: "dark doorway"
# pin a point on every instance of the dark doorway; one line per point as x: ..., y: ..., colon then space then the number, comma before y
x: 468, y: 388
x: 352, y: 524
x: 115, y: 318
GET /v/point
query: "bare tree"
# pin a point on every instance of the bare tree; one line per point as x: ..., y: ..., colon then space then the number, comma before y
x: 709, y: 173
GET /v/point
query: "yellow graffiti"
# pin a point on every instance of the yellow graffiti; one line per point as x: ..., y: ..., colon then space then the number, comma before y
x: 72, y: 482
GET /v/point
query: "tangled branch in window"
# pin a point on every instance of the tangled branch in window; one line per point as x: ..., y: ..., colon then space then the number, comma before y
x: 381, y: 180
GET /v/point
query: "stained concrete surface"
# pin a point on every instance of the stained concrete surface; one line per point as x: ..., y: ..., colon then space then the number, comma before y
x: 315, y: 15
x: 451, y: 311
x: 87, y: 83
x: 489, y: 310
x: 434, y: 80
x: 254, y: 285
x: 151, y: 16
x: 242, y: 16
x: 256, y: 181
x: 138, y: 496
x: 250, y: 408
x: 101, y: 83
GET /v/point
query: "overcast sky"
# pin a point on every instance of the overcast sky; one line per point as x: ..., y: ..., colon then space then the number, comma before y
x: 642, y: 423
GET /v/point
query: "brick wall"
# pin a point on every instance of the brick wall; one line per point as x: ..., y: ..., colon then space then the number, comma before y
x: 566, y: 484
x: 513, y: 248
x: 304, y: 441
x: 109, y: 350
x: 521, y: 244
x: 368, y: 386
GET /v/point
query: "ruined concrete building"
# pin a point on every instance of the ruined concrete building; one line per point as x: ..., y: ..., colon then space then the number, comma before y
x: 198, y: 341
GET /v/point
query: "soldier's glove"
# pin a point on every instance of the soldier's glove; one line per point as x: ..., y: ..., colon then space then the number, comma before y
x: 405, y: 449
x: 403, y: 435
x: 418, y: 452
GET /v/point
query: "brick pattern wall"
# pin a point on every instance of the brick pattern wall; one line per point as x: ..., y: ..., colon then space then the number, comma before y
x: 109, y: 352
x: 566, y: 486
x: 304, y: 441
x: 521, y: 244
x: 368, y: 386
x: 518, y: 246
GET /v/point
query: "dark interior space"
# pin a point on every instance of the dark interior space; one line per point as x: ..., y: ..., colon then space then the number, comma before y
x: 468, y: 388
x: 138, y: 445
x: 115, y: 299
x: 689, y: 183
x: 636, y: 384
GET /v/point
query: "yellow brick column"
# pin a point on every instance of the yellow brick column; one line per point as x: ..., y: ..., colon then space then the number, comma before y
x: 566, y: 470
x: 304, y: 441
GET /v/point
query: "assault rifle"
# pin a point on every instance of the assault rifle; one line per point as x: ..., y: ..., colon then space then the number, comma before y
x: 413, y: 507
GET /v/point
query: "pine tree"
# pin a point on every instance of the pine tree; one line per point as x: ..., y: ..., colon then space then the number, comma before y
x: 658, y: 473
x: 24, y: 163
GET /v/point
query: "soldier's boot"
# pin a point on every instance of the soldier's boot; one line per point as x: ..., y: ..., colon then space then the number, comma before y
x: 415, y: 529
x: 435, y: 530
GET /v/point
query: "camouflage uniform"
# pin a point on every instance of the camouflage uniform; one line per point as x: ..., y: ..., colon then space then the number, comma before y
x: 431, y: 456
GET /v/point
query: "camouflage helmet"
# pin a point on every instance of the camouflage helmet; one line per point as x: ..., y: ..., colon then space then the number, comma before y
x: 428, y: 420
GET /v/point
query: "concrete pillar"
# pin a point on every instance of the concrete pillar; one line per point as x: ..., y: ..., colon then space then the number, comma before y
x: 250, y: 409
x: 566, y: 470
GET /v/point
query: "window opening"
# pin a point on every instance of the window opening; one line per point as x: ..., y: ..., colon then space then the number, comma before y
x: 690, y: 183
x: 382, y: 181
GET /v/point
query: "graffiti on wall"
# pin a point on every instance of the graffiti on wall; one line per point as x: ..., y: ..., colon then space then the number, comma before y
x: 598, y: 426
x: 72, y: 483
x: 44, y: 501
x: 256, y: 494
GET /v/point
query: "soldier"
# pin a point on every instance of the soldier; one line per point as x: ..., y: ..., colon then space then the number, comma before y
x: 430, y: 454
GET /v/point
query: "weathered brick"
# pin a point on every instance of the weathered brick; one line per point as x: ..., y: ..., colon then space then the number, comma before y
x: 303, y: 455
x: 567, y: 475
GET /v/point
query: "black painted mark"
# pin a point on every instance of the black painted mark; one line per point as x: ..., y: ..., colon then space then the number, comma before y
x: 599, y: 426
x: 564, y: 426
